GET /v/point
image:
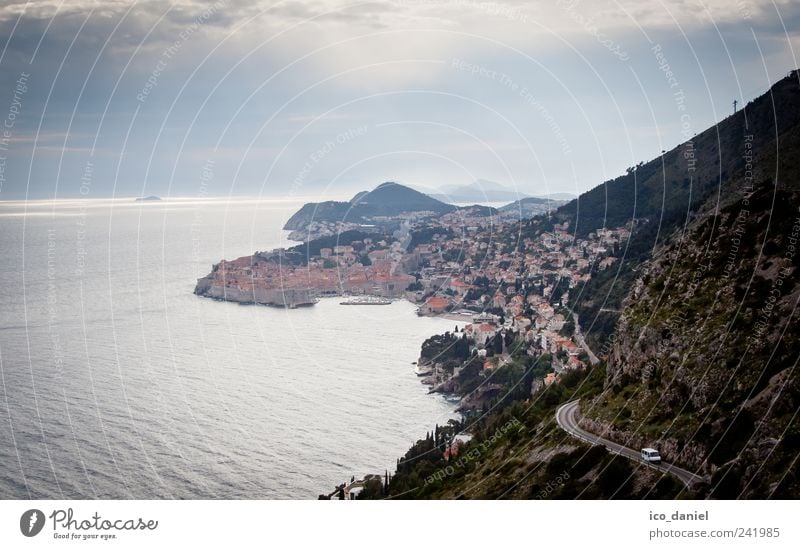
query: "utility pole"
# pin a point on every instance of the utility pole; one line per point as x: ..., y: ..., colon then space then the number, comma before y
x: 734, y: 105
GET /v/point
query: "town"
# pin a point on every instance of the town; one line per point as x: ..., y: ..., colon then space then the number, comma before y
x: 504, y: 279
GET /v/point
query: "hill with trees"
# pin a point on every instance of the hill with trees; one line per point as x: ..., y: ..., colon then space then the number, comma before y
x: 387, y: 199
x: 700, y: 358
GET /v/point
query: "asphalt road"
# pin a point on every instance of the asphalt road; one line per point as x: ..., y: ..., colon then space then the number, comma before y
x: 582, y: 342
x: 565, y: 416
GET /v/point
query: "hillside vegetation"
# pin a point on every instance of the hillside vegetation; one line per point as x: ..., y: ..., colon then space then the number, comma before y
x: 699, y: 351
x: 664, y: 195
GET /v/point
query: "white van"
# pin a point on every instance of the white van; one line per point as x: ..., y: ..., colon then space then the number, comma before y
x: 651, y: 455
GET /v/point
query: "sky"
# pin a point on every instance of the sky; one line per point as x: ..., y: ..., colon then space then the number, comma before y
x: 321, y: 99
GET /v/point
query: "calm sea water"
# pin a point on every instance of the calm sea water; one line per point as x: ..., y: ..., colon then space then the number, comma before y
x: 118, y: 382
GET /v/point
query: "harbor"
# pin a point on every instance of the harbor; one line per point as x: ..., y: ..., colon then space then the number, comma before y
x: 367, y: 300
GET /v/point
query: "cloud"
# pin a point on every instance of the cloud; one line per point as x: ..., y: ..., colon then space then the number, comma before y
x: 247, y: 79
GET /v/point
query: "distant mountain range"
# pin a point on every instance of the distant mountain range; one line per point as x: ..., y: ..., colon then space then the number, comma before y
x: 483, y: 190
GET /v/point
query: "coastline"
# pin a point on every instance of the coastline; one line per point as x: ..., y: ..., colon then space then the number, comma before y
x: 510, y: 306
x: 297, y: 297
x: 423, y: 377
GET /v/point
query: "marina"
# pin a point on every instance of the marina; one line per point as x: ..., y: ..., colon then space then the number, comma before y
x: 367, y: 300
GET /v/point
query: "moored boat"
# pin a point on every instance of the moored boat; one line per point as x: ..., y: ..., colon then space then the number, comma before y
x: 367, y: 300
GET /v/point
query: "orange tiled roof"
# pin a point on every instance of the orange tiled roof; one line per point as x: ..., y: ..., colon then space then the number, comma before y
x: 437, y: 301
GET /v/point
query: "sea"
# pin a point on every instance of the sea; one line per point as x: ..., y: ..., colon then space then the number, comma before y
x: 117, y: 382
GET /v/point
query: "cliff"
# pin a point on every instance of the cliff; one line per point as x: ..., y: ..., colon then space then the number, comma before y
x: 704, y: 358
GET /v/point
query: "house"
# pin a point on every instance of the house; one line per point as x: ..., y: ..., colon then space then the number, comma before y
x: 434, y: 304
x: 341, y: 249
x: 455, y: 445
x: 522, y: 323
x: 480, y: 333
x: 459, y: 286
x: 487, y: 332
x: 573, y: 363
x: 485, y: 318
x: 556, y: 323
x: 546, y: 310
x: 570, y: 348
x: 379, y: 255
x: 549, y: 379
x: 499, y: 301
x: 606, y: 263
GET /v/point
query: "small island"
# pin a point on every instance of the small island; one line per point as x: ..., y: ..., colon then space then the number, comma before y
x: 151, y: 198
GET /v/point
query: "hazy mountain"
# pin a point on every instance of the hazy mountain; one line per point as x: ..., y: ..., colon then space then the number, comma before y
x: 387, y: 199
x: 481, y: 191
x: 557, y: 196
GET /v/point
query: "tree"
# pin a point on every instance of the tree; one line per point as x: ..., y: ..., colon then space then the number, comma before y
x: 414, y: 287
x: 615, y: 480
x: 498, y: 343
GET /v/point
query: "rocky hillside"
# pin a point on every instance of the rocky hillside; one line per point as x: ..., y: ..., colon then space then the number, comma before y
x: 704, y: 359
x: 701, y: 357
x: 665, y: 194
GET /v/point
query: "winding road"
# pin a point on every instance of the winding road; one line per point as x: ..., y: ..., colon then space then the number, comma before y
x: 582, y: 342
x: 565, y: 416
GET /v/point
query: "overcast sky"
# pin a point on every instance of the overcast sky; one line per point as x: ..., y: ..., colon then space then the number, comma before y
x: 321, y: 98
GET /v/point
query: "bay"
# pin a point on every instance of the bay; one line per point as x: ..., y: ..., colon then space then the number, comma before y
x: 118, y: 382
